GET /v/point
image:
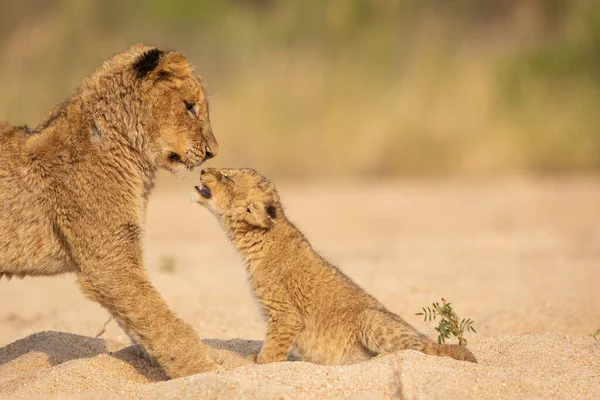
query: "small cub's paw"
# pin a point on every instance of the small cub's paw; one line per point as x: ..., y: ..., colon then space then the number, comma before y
x: 261, y: 358
x: 252, y: 357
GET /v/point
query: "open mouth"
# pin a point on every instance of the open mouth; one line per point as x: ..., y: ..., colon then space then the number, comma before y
x: 204, y: 191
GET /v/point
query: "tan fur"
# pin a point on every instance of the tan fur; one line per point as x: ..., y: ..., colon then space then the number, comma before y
x: 74, y: 190
x: 311, y: 307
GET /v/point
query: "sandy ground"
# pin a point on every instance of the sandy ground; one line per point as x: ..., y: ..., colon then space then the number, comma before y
x: 520, y: 257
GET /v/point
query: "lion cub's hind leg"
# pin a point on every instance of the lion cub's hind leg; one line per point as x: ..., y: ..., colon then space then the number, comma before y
x: 382, y: 332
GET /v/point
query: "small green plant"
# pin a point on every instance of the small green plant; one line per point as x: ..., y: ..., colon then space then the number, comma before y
x: 595, y: 334
x: 450, y: 323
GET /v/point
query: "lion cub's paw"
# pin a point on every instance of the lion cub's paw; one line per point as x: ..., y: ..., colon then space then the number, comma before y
x: 259, y: 358
x: 214, y: 367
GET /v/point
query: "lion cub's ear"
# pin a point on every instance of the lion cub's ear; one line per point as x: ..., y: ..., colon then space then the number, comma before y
x: 161, y: 65
x: 260, y: 214
x: 147, y: 62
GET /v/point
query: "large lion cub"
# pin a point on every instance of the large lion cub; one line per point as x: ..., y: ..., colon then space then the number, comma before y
x: 74, y: 191
x: 310, y: 305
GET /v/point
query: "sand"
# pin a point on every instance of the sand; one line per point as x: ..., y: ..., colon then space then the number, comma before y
x: 521, y: 257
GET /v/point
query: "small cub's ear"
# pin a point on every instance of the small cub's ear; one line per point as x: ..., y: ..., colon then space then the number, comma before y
x: 261, y: 215
x: 147, y: 62
x: 271, y: 211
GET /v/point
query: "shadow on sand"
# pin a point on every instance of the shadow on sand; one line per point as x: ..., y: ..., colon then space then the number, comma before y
x: 61, y: 347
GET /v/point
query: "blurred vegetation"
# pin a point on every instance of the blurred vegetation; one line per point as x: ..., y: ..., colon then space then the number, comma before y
x: 344, y: 87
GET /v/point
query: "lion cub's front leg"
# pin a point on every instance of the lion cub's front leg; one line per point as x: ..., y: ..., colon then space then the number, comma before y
x: 281, y: 334
x: 140, y: 350
x: 116, y: 279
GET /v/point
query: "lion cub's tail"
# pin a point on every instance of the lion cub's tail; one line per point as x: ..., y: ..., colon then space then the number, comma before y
x: 450, y: 350
x: 383, y: 332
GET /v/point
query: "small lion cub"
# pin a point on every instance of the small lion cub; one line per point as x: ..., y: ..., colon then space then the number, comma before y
x: 311, y: 307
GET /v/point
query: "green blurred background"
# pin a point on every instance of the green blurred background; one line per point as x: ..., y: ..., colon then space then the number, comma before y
x: 344, y: 87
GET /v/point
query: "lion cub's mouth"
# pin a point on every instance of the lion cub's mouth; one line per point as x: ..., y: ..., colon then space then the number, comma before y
x: 204, y: 191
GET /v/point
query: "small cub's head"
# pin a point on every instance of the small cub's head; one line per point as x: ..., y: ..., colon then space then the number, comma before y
x: 239, y: 195
x: 179, y: 132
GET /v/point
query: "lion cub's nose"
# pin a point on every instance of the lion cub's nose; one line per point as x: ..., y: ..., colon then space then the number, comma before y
x: 202, y: 172
x: 208, y: 153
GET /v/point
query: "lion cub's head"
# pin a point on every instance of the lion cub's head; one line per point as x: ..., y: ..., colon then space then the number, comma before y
x: 162, y: 102
x: 239, y: 195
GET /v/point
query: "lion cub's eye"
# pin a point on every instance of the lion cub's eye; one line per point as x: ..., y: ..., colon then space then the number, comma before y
x: 191, y: 107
